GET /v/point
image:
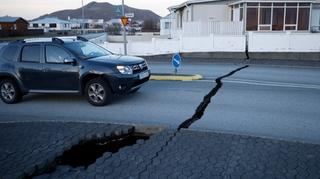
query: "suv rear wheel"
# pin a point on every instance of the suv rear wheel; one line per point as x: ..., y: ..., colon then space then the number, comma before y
x: 10, y: 92
x: 98, y: 92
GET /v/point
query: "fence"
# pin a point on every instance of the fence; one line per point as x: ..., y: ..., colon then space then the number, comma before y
x: 284, y: 42
x: 212, y: 43
x: 211, y: 27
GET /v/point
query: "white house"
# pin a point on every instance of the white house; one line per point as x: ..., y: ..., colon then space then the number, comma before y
x: 86, y: 23
x: 204, y: 17
x: 165, y: 24
x: 50, y: 24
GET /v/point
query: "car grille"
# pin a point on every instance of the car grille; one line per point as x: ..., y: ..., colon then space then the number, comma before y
x: 139, y: 67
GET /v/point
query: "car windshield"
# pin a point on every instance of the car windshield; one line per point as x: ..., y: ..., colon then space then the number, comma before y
x: 87, y: 50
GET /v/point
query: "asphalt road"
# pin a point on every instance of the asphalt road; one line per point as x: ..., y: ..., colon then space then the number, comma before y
x: 268, y: 101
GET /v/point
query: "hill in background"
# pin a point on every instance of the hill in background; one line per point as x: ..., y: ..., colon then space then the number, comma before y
x: 103, y: 10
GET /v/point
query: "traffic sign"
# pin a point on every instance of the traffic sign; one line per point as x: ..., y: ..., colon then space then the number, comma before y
x: 118, y: 10
x: 124, y: 20
x: 176, y: 62
x: 129, y: 15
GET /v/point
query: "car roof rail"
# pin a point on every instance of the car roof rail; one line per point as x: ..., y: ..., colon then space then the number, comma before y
x: 82, y: 38
x: 18, y: 41
x: 57, y: 40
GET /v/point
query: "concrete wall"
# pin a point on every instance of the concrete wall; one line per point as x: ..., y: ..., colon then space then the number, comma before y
x: 284, y: 42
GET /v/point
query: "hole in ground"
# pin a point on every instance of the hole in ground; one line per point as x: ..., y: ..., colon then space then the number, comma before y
x: 88, y: 152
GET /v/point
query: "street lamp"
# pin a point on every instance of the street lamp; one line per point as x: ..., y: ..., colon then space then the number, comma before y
x: 124, y: 31
x: 82, y: 18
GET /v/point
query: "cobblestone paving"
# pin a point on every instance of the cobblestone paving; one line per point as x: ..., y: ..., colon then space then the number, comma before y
x: 192, y: 154
x: 26, y: 147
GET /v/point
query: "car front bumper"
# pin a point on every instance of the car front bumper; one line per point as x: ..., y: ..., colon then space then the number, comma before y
x: 121, y: 84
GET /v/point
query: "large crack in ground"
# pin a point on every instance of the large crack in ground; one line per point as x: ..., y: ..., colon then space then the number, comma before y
x: 207, y: 99
x: 86, y: 152
x: 197, y: 115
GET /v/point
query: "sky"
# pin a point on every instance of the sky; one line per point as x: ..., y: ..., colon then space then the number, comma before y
x: 30, y: 9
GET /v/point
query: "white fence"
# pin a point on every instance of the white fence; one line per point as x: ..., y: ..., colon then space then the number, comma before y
x: 212, y: 43
x: 257, y: 42
x: 211, y: 27
x: 284, y: 42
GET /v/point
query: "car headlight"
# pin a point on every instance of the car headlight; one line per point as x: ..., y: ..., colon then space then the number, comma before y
x: 125, y: 69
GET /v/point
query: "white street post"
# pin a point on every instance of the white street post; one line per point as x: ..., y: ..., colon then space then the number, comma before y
x: 124, y: 31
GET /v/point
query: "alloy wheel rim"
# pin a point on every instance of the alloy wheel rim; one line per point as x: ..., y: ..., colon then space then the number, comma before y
x: 96, y: 92
x: 7, y: 91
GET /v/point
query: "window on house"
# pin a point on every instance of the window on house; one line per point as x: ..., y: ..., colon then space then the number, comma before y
x: 265, y: 16
x: 35, y: 25
x: 14, y: 26
x: 252, y: 19
x: 241, y: 14
x: 291, y: 17
x: 167, y: 25
x: 303, y: 19
x: 278, y: 16
x: 52, y: 25
x: 277, y: 19
x: 43, y: 25
x: 232, y: 13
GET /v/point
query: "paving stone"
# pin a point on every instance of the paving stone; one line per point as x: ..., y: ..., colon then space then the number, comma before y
x: 30, y: 145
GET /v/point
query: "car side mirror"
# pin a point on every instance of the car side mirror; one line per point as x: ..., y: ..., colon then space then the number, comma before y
x: 69, y: 61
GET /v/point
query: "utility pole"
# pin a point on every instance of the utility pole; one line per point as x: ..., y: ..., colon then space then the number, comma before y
x: 124, y: 31
x: 82, y: 18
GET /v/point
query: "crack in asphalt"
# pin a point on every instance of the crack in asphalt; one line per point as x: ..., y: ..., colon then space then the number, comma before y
x: 198, y: 114
x: 207, y: 99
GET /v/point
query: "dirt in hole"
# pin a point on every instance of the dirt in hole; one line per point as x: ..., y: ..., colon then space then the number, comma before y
x: 86, y: 153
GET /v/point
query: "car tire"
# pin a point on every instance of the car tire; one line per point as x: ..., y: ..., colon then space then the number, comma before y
x: 10, y: 92
x: 135, y: 90
x: 98, y: 92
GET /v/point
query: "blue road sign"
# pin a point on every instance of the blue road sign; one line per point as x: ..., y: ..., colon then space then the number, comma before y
x: 119, y: 10
x: 176, y: 60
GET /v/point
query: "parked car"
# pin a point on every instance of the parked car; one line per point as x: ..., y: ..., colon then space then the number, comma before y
x: 68, y: 65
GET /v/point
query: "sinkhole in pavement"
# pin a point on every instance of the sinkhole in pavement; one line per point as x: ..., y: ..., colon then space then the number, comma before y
x: 86, y: 153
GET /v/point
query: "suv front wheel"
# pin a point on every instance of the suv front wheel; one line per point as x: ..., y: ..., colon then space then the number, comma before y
x: 98, y: 92
x: 10, y: 92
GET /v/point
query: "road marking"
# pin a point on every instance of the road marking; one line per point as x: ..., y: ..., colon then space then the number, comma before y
x: 268, y: 83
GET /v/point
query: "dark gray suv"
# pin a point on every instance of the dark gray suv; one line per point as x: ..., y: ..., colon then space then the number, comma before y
x: 67, y: 65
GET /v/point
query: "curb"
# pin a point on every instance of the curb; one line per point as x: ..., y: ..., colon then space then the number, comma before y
x: 172, y: 77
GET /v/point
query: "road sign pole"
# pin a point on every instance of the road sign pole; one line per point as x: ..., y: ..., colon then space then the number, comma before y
x: 124, y: 31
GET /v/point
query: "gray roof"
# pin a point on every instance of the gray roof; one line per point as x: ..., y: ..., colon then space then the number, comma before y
x: 191, y: 2
x: 168, y: 17
x: 50, y: 20
x: 230, y: 1
x: 9, y: 19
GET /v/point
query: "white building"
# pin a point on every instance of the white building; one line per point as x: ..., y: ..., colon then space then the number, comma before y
x: 50, y: 24
x: 205, y: 17
x: 165, y: 24
x: 86, y: 23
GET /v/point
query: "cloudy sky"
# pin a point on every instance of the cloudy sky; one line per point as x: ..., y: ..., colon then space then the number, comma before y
x: 30, y: 9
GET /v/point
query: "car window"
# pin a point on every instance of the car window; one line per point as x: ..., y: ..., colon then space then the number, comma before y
x: 10, y: 52
x: 55, y: 54
x: 31, y: 53
x: 86, y: 50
